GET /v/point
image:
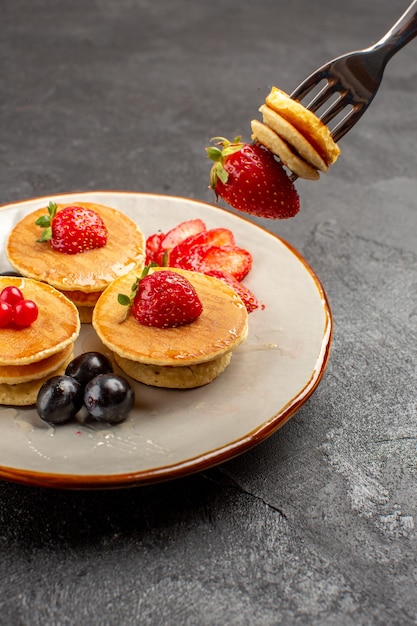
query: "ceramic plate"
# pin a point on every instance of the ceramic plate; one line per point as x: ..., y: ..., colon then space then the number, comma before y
x: 171, y: 433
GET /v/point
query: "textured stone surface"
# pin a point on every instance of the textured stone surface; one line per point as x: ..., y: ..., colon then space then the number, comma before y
x: 316, y: 526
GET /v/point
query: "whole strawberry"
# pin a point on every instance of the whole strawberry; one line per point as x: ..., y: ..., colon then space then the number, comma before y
x: 163, y: 299
x: 250, y: 179
x: 73, y: 229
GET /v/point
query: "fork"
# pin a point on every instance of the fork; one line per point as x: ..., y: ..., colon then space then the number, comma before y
x: 355, y: 77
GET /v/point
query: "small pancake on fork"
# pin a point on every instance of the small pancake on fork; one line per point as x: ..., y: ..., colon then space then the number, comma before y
x: 306, y: 122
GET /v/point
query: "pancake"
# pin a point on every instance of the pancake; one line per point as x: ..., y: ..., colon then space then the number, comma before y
x: 220, y: 328
x: 16, y: 374
x: 25, y: 393
x: 31, y: 355
x: 293, y: 137
x: 268, y: 138
x: 182, y: 377
x: 306, y: 122
x: 57, y: 325
x: 84, y: 275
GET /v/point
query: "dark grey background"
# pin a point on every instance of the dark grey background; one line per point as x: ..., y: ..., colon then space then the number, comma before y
x: 317, y: 524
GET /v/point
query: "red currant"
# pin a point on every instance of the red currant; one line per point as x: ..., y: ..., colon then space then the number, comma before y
x: 11, y: 294
x: 6, y: 314
x: 25, y: 313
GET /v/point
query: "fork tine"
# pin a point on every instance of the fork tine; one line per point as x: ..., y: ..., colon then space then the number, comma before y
x: 348, y: 122
x: 337, y: 107
x: 308, y: 84
x: 321, y: 98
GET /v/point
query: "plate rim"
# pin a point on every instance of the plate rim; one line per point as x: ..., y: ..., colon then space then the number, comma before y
x: 210, y: 458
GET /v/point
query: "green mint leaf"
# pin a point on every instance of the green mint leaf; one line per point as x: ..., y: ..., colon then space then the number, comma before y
x: 123, y: 299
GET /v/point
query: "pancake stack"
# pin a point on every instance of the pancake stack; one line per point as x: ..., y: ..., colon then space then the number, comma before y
x: 295, y: 135
x: 183, y: 357
x: 29, y: 356
x: 81, y: 277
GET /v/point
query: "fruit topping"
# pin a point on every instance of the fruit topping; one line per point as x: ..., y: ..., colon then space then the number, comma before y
x: 109, y: 398
x: 6, y: 314
x: 210, y: 251
x: 59, y: 399
x: 90, y: 384
x: 11, y: 294
x: 248, y: 298
x: 163, y: 299
x: 72, y: 229
x: 25, y: 313
x: 15, y: 309
x: 250, y: 179
x: 86, y: 366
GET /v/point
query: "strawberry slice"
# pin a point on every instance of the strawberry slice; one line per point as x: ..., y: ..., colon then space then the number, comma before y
x: 153, y: 244
x: 181, y: 232
x: 248, y: 298
x: 189, y: 253
x: 229, y: 259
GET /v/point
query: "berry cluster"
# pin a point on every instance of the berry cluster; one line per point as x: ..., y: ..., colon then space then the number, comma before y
x: 88, y: 382
x: 15, y: 309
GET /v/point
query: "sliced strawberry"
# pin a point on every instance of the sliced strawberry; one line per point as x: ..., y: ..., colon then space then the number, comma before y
x: 230, y: 259
x: 153, y: 244
x: 189, y: 253
x: 181, y: 232
x: 248, y: 298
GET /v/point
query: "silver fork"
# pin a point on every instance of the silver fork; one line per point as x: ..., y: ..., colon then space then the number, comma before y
x: 356, y: 76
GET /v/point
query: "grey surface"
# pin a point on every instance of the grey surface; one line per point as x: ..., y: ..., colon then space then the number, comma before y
x: 317, y: 524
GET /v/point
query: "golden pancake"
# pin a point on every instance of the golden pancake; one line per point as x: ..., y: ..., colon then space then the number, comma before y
x: 220, y: 328
x: 306, y: 122
x: 15, y: 374
x: 25, y: 394
x: 57, y: 325
x: 175, y: 377
x: 88, y: 272
x: 293, y: 137
x: 268, y: 138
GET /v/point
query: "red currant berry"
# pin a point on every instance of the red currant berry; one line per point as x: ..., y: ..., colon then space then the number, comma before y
x: 6, y: 314
x: 11, y: 294
x: 25, y: 313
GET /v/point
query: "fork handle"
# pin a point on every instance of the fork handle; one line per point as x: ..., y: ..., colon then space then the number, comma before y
x: 400, y: 33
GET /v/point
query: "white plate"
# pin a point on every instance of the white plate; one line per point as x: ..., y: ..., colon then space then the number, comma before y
x: 171, y: 433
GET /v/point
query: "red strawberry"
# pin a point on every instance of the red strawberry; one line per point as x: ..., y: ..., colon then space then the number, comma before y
x: 248, y: 298
x: 231, y: 259
x: 250, y: 179
x: 153, y: 244
x: 188, y: 254
x: 164, y: 299
x: 179, y: 233
x: 73, y: 229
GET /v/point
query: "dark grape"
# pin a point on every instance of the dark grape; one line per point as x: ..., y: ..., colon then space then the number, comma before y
x: 59, y: 399
x: 109, y: 398
x: 87, y: 366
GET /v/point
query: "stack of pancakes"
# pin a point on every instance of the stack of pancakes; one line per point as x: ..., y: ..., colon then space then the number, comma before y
x: 295, y: 135
x: 183, y: 357
x: 81, y: 277
x: 29, y: 356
